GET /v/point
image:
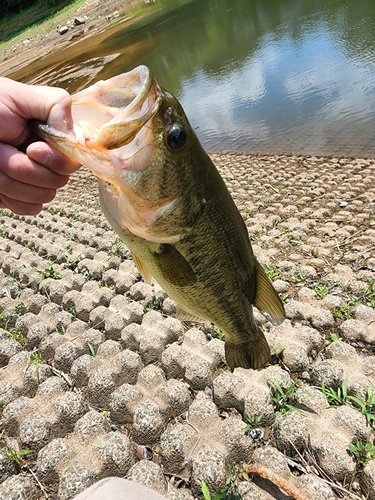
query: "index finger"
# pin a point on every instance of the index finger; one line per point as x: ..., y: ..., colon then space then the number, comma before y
x: 46, y: 155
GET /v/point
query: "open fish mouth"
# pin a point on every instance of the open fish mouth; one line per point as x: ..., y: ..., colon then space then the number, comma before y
x: 109, y: 133
x: 110, y: 113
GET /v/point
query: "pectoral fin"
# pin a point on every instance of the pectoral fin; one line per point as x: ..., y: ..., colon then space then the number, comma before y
x: 175, y: 269
x: 266, y: 298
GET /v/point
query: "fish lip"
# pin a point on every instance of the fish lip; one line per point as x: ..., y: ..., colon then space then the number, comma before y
x: 148, y: 83
x: 149, y: 89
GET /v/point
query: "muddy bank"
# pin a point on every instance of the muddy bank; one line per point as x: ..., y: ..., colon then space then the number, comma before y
x: 97, y: 16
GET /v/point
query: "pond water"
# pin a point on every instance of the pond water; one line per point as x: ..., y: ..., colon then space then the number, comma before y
x: 254, y: 76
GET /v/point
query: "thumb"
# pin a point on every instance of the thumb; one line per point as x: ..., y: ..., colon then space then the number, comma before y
x: 58, y: 108
x: 48, y: 104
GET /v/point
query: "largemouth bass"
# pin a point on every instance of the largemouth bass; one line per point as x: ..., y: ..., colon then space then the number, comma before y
x: 166, y: 200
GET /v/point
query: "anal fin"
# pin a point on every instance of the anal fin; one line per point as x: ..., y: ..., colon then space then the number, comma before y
x: 266, y: 298
x: 183, y: 315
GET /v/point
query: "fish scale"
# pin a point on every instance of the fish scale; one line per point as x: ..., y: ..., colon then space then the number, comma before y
x: 165, y: 198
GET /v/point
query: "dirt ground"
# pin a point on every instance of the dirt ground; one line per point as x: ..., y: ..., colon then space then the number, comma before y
x: 99, y: 378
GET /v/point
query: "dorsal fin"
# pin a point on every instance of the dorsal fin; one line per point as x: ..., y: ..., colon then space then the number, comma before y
x: 266, y: 299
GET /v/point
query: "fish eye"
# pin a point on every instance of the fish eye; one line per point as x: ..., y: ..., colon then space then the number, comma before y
x: 175, y: 137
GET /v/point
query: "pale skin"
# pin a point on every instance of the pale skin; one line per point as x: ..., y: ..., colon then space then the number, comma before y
x: 30, y: 170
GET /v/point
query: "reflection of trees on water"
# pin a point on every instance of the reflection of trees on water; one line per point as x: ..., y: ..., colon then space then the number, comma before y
x: 218, y: 36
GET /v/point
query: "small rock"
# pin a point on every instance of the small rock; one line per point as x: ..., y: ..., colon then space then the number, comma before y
x: 7, y: 467
x: 198, y: 373
x: 75, y: 479
x: 208, y: 466
x: 117, y: 453
x: 331, y: 453
x: 175, y: 444
x: 315, y: 488
x: 330, y: 372
x: 48, y: 459
x: 18, y: 487
x: 70, y: 407
x: 179, y: 494
x: 63, y: 30
x: 148, y: 423
x: 291, y: 429
x: 79, y: 20
x: 367, y: 480
x: 35, y: 432
x: 91, y: 425
x: 8, y: 348
x: 321, y: 319
x: 101, y: 385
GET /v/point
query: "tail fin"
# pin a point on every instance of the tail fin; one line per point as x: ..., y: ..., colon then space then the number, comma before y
x: 254, y: 354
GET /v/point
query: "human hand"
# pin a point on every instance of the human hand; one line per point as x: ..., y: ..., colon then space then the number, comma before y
x: 30, y: 170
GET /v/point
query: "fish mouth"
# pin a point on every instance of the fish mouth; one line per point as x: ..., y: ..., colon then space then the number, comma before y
x: 110, y: 125
x: 109, y: 114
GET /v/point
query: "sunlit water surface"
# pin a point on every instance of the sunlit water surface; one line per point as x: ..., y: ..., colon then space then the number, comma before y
x: 259, y: 76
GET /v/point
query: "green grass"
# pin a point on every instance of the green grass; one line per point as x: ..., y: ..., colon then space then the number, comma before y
x: 298, y: 277
x: 18, y: 337
x: 332, y: 338
x: 91, y: 349
x: 342, y: 312
x: 48, y: 272
x: 218, y: 334
x: 273, y: 272
x: 253, y: 421
x: 118, y: 249
x: 366, y: 406
x: 17, y: 457
x: 336, y: 397
x: 283, y: 398
x: 362, y: 452
x: 341, y: 397
x: 321, y: 290
x: 155, y: 303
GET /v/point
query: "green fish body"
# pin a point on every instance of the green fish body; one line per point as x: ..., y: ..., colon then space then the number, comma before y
x: 167, y: 201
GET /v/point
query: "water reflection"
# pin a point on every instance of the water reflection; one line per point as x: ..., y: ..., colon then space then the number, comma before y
x: 263, y: 76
